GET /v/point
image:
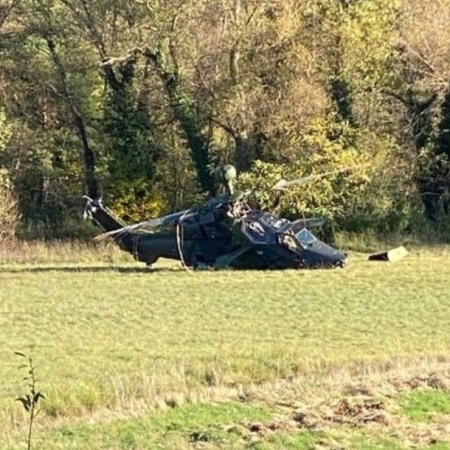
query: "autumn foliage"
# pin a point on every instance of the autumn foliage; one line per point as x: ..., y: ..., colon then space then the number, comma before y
x: 139, y: 101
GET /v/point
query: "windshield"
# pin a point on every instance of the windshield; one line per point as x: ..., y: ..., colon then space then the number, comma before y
x: 305, y: 237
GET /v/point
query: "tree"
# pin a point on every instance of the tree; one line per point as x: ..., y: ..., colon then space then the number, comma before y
x: 424, y: 52
x: 47, y: 104
x: 9, y: 213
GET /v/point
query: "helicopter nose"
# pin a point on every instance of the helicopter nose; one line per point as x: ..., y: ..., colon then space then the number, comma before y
x: 342, y: 262
x: 323, y: 255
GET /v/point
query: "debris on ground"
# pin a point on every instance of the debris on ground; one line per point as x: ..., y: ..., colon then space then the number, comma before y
x: 393, y: 255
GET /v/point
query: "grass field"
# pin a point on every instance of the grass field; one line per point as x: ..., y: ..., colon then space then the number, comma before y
x: 113, y: 341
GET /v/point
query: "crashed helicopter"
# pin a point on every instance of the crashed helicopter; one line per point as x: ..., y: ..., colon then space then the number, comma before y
x: 222, y: 233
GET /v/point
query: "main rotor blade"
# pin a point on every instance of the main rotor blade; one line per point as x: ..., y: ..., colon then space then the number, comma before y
x: 169, y: 219
x: 283, y: 184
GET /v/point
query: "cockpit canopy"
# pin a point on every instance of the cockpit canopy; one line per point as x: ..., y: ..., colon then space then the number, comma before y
x: 265, y: 228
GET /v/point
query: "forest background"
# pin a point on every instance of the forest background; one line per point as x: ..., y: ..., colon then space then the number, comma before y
x: 139, y: 100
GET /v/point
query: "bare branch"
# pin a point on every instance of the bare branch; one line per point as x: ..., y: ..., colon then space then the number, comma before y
x: 172, y: 47
x: 411, y: 102
x: 6, y: 10
x: 88, y: 21
x: 227, y: 128
x: 250, y: 17
x: 420, y: 57
x: 120, y: 59
x: 204, y: 83
x: 396, y: 95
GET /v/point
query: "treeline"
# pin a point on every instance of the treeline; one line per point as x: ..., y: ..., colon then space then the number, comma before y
x: 139, y: 100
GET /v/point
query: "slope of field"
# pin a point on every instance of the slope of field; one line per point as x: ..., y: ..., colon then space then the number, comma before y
x: 120, y: 340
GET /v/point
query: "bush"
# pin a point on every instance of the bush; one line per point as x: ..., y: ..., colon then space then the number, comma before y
x: 367, y: 187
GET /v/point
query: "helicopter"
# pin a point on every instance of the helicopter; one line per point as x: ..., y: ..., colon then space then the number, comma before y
x: 222, y: 233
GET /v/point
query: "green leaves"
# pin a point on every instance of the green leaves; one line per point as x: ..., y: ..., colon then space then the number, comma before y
x: 29, y: 402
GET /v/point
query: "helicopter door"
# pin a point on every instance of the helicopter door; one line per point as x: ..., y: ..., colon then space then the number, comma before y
x: 205, y: 218
x: 206, y: 225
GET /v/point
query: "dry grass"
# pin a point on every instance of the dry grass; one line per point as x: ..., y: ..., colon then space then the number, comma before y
x: 18, y: 252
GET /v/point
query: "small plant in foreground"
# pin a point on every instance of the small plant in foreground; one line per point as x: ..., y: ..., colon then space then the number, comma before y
x: 31, y: 399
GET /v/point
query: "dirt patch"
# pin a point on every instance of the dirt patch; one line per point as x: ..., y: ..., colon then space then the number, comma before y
x: 433, y: 380
x: 346, y: 411
x: 370, y: 405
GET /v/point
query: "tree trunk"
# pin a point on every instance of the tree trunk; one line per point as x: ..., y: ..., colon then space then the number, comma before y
x: 197, y: 142
x: 244, y: 153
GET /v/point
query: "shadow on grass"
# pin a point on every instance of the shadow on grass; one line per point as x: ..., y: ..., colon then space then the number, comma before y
x: 86, y: 269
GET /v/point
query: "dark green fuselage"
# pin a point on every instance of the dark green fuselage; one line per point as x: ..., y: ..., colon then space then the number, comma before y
x: 211, y: 239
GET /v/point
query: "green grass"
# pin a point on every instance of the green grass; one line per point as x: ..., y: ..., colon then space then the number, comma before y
x: 302, y: 440
x: 115, y: 337
x: 213, y: 426
x: 423, y: 405
x: 379, y: 443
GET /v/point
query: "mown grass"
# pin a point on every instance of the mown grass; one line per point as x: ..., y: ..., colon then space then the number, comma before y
x: 109, y: 335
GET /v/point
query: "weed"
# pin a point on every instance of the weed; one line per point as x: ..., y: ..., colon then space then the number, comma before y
x: 30, y: 400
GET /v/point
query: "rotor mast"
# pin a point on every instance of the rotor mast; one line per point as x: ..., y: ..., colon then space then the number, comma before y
x: 225, y: 175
